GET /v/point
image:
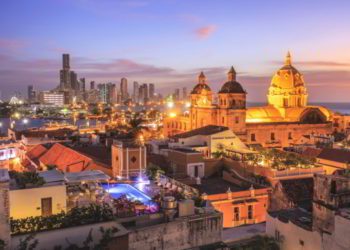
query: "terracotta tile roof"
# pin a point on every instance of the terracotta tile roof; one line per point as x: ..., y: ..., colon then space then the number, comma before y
x: 207, y: 130
x: 311, y: 152
x: 36, y: 152
x: 336, y: 155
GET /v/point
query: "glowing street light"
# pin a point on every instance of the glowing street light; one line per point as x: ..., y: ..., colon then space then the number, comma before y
x: 25, y: 121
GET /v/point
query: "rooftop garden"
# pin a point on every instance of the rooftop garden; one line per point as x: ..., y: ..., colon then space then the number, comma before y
x: 75, y: 217
x: 279, y: 160
x: 27, y: 179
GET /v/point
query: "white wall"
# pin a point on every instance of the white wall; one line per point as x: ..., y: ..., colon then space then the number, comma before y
x: 293, y: 235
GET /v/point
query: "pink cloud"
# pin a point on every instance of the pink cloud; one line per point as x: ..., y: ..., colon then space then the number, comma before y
x: 11, y: 44
x: 205, y: 32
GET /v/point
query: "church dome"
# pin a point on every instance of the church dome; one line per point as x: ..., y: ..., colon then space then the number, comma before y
x: 287, y: 77
x: 202, y: 85
x: 232, y: 86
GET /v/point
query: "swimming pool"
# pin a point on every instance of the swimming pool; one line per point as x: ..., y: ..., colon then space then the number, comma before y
x: 132, y: 193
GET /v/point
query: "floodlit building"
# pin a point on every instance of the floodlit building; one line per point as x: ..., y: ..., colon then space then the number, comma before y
x: 287, y: 117
x: 209, y: 139
x: 45, y: 200
x: 128, y: 159
x: 54, y: 98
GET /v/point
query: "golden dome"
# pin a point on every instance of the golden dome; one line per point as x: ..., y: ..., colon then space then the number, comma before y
x: 287, y: 77
x: 287, y: 87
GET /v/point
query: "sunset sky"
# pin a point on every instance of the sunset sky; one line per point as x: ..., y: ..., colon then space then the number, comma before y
x: 168, y: 42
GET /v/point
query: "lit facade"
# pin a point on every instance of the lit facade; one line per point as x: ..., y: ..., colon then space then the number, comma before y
x: 281, y: 123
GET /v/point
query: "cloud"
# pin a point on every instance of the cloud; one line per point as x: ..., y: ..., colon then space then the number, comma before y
x: 16, y: 74
x: 316, y: 63
x: 12, y: 44
x: 205, y: 32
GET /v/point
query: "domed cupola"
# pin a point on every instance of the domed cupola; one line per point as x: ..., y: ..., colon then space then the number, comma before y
x: 287, y: 87
x: 232, y: 95
x: 201, y: 94
x: 232, y: 86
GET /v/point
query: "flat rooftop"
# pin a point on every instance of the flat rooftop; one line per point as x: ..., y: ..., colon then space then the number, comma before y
x: 297, y: 216
x: 216, y: 185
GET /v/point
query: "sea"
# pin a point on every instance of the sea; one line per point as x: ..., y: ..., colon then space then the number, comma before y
x: 343, y: 108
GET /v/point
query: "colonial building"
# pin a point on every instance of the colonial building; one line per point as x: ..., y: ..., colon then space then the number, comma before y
x: 282, y: 122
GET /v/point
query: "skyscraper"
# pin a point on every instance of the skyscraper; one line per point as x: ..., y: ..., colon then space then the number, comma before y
x: 31, y: 94
x: 92, y: 85
x: 145, y: 95
x: 74, y: 84
x: 65, y: 76
x: 151, y: 91
x: 82, y: 84
x: 177, y: 94
x: 184, y: 93
x: 124, y: 88
x: 136, y: 92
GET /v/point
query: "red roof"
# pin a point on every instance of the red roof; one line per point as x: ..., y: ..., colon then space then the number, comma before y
x: 69, y: 160
x: 36, y: 152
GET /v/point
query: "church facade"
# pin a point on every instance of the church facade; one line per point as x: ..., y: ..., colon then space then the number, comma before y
x: 285, y: 119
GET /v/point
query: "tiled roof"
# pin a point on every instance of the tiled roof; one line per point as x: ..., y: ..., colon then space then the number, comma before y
x: 207, y: 130
x: 337, y: 155
x: 36, y: 152
x: 311, y: 152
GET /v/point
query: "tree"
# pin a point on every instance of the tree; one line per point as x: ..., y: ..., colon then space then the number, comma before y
x: 28, y: 243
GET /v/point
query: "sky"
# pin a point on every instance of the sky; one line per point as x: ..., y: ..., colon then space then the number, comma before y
x: 168, y: 42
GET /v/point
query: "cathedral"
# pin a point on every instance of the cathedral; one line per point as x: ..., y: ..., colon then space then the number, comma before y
x: 283, y: 122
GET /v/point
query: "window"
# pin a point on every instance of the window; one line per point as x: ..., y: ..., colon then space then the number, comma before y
x: 290, y: 136
x: 225, y: 102
x: 250, y: 212
x: 133, y: 159
x: 223, y: 120
x: 301, y: 242
x: 252, y: 137
x: 273, y: 137
x: 277, y: 235
x: 237, y: 119
x: 236, y: 214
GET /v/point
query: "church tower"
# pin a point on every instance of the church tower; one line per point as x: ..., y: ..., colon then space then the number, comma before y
x: 287, y: 89
x: 201, y: 111
x: 232, y: 104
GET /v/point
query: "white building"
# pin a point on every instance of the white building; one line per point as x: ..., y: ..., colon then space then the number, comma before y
x: 53, y: 98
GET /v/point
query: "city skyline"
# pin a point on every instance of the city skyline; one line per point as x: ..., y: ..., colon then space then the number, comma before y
x: 212, y: 38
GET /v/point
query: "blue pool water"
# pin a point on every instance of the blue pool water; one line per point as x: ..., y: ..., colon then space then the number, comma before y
x: 132, y: 193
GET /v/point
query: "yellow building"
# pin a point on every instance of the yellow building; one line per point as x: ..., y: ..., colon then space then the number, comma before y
x: 281, y: 123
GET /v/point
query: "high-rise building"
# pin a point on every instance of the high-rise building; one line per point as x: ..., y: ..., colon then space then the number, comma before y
x: 82, y: 84
x: 184, y: 93
x: 65, y: 76
x: 176, y: 94
x: 136, y: 92
x: 31, y: 94
x: 54, y: 98
x: 151, y: 90
x: 74, y: 84
x: 144, y: 93
x: 92, y: 85
x: 124, y: 88
x: 108, y: 93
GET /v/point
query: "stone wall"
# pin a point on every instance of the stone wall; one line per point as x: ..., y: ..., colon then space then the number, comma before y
x: 4, y: 211
x: 181, y: 233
